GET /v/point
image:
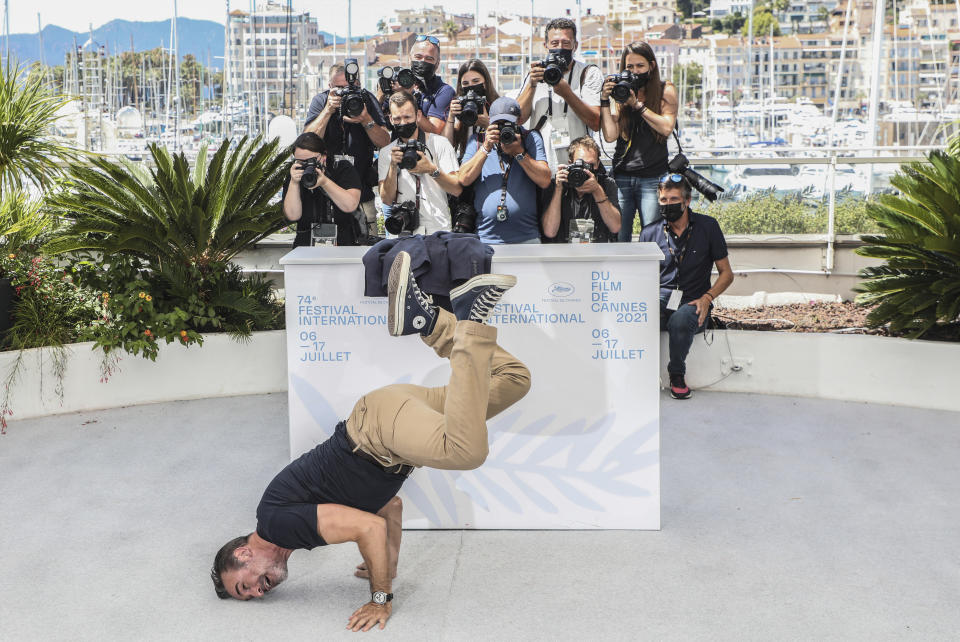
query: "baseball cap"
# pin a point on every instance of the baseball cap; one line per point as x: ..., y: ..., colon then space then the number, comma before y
x: 504, y: 108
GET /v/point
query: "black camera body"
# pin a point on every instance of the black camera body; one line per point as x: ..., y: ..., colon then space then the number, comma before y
x: 578, y: 172
x: 509, y: 132
x: 411, y: 153
x: 680, y: 165
x: 404, y: 218
x: 389, y: 75
x: 471, y: 106
x: 353, y: 101
x: 626, y: 84
x: 553, y: 68
x: 310, y: 174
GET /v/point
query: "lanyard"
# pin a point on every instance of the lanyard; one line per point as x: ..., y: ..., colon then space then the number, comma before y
x: 506, y: 177
x: 566, y: 105
x: 681, y: 249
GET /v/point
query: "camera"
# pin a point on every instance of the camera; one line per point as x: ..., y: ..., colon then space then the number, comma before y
x: 471, y: 106
x: 399, y: 75
x: 680, y: 165
x: 578, y: 172
x: 404, y: 218
x: 310, y: 175
x: 626, y: 85
x: 411, y: 156
x: 508, y: 132
x: 553, y: 68
x: 462, y: 212
x: 581, y: 230
x: 353, y: 103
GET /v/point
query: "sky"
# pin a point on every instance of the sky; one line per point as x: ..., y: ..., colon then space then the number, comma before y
x: 78, y: 15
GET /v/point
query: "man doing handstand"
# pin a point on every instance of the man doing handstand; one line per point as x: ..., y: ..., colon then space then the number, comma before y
x: 344, y: 490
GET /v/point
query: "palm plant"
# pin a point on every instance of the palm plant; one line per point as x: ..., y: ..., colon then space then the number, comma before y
x: 28, y: 156
x: 22, y: 224
x: 918, y: 287
x: 172, y: 215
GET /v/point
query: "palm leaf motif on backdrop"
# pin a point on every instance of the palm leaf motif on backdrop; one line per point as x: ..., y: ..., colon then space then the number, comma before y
x: 918, y: 286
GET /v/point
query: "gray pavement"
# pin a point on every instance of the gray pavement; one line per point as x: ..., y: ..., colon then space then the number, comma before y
x: 783, y: 519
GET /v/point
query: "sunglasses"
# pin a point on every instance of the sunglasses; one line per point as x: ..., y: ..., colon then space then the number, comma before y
x: 666, y: 178
x: 431, y: 39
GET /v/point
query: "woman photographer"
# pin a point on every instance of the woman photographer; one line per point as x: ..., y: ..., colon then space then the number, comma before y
x: 473, y: 75
x: 641, y: 126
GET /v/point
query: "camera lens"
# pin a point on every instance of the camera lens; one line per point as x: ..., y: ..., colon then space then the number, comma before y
x: 469, y: 112
x: 552, y: 74
x: 405, y: 78
x: 508, y: 133
x: 353, y: 104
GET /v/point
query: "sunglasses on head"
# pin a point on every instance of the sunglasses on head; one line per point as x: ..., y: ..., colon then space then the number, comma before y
x: 666, y: 178
x: 431, y: 39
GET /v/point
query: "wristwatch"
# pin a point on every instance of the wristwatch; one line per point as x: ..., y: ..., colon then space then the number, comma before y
x: 370, y: 125
x: 435, y: 173
x: 381, y: 598
x: 519, y: 157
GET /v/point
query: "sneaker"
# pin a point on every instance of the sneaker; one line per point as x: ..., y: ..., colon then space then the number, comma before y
x: 475, y: 299
x: 410, y: 310
x: 678, y: 387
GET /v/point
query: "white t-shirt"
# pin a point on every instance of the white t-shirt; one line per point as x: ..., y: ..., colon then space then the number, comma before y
x: 434, y: 211
x: 564, y: 125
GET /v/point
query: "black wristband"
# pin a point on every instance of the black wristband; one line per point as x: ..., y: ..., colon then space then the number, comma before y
x: 605, y: 103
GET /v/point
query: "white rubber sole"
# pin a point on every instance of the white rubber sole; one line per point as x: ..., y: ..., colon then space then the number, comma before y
x: 397, y: 292
x: 504, y: 281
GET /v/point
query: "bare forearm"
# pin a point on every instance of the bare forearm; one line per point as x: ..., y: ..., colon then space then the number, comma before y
x: 586, y: 113
x: 378, y: 135
x: 609, y: 124
x: 388, y: 186
x: 449, y: 129
x: 537, y: 171
x: 433, y: 125
x: 551, y: 216
x: 610, y: 214
x: 345, y: 200
x: 319, y: 124
x: 662, y: 124
x: 373, y: 547
x: 525, y: 99
x: 292, y: 207
x: 470, y: 171
x: 724, y: 280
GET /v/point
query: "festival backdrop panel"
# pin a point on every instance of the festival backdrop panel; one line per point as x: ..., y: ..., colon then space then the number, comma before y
x: 581, y: 450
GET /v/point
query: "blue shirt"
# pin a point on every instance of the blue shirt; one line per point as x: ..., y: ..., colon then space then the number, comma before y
x: 689, y: 258
x: 522, y: 224
x: 435, y: 102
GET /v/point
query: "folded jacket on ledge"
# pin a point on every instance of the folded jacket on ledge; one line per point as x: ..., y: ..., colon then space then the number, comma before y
x: 438, y: 261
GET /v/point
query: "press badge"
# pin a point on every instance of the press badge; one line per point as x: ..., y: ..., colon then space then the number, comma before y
x: 559, y: 138
x: 674, y: 302
x: 343, y: 157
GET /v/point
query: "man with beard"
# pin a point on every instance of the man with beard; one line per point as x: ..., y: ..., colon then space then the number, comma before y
x: 691, y: 244
x: 344, y: 490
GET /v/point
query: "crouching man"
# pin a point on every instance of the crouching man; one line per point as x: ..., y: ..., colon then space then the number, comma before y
x: 344, y: 490
x: 691, y: 243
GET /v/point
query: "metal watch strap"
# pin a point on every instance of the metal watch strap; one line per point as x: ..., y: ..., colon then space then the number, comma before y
x: 370, y: 125
x: 435, y: 173
x: 519, y: 157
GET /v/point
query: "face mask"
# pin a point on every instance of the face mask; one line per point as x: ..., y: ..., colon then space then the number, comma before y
x: 641, y: 79
x: 566, y: 55
x: 672, y: 212
x: 480, y: 90
x: 406, y: 130
x: 424, y: 69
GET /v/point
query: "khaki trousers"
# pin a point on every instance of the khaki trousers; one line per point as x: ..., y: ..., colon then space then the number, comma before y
x: 443, y: 427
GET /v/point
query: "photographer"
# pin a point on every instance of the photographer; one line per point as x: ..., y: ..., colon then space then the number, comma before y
x: 505, y: 167
x: 561, y: 99
x: 640, y: 124
x: 352, y: 138
x: 416, y: 181
x: 434, y: 95
x: 691, y: 244
x: 583, y: 191
x: 323, y: 194
x: 473, y: 76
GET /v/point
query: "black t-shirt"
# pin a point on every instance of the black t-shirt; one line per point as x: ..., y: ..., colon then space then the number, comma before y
x: 700, y: 246
x: 328, y: 474
x: 358, y: 144
x: 572, y: 207
x: 315, y: 204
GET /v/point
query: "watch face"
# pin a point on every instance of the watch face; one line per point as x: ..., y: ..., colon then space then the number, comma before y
x: 380, y: 597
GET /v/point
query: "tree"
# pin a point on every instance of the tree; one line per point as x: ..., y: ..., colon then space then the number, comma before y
x: 781, y: 5
x: 733, y: 23
x: 918, y: 288
x: 693, y: 73
x: 450, y: 30
x: 763, y: 20
x: 823, y: 14
x: 382, y: 26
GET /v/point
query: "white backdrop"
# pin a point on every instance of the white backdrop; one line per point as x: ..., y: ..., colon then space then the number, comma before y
x: 581, y: 450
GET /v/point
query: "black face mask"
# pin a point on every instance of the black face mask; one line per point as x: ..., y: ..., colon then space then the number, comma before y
x: 406, y: 130
x: 480, y: 90
x: 424, y: 69
x: 672, y: 212
x: 565, y: 55
x: 640, y: 80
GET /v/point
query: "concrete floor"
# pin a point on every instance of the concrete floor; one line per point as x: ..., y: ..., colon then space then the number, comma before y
x: 783, y: 519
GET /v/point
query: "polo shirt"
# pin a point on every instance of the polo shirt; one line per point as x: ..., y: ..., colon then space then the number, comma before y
x: 689, y: 258
x: 434, y: 208
x: 435, y: 101
x: 523, y: 223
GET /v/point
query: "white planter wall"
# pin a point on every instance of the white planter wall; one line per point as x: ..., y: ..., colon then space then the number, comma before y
x: 221, y: 367
x: 865, y: 368
x: 829, y: 366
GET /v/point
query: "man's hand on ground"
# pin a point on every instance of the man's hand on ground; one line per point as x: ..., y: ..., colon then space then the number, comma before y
x: 369, y: 615
x: 703, y: 307
x: 364, y: 574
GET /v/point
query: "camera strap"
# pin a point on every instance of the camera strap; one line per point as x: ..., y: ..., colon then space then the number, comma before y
x: 506, y: 177
x: 682, y: 242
